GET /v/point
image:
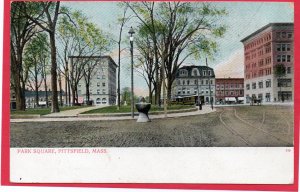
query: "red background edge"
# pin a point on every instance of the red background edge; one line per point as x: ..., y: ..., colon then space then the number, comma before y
x: 5, y: 157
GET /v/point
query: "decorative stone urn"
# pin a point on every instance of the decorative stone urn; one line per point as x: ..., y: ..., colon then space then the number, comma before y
x: 143, y: 109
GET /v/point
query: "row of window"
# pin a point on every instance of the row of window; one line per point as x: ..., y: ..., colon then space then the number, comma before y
x: 195, y: 91
x: 283, y: 58
x: 91, y: 92
x: 195, y: 72
x: 260, y: 85
x: 194, y: 82
x: 230, y: 93
x: 284, y: 35
x: 101, y: 101
x: 230, y: 86
x: 259, y: 41
x: 260, y: 51
x: 283, y: 46
x: 280, y: 83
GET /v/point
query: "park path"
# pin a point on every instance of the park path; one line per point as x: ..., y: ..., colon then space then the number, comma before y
x: 72, y: 112
x: 64, y: 116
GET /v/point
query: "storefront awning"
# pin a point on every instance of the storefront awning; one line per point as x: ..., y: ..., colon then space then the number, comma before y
x: 241, y: 98
x: 230, y: 99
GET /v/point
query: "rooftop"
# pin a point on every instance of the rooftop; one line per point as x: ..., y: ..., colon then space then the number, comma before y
x: 265, y: 27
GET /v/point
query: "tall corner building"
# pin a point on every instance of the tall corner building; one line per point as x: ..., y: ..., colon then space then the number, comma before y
x: 265, y: 48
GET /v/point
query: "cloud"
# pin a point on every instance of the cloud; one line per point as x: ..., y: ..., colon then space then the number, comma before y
x: 232, y: 67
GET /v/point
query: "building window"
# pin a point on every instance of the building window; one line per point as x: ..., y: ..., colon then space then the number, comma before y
x: 268, y: 97
x: 103, y: 77
x: 195, y: 73
x: 253, y: 85
x: 188, y: 82
x: 268, y: 83
x: 206, y: 82
x: 288, y: 70
x: 211, y: 82
x: 283, y: 34
x: 195, y: 82
x: 277, y: 35
x: 283, y: 58
x: 278, y: 58
x: 290, y: 35
x: 248, y: 86
x: 260, y: 85
x: 188, y: 91
x: 103, y: 84
x: 103, y: 91
x: 288, y: 58
x: 284, y: 83
x: 202, y: 82
x: 98, y: 84
x: 288, y: 47
x: 103, y: 100
x: 183, y: 82
x: 209, y: 72
x: 178, y: 82
x: 204, y: 73
x: 79, y: 85
x: 98, y: 101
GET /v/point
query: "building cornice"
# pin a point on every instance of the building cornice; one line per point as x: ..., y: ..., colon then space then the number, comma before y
x: 264, y: 28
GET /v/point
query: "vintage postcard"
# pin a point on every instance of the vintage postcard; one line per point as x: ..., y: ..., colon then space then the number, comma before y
x: 164, y: 94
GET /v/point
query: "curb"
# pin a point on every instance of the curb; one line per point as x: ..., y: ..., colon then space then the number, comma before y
x: 135, y: 113
x: 25, y: 116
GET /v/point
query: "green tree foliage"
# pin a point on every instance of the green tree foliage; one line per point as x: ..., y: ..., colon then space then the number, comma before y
x: 178, y: 30
x: 22, y: 30
x: 35, y: 59
x: 81, y: 38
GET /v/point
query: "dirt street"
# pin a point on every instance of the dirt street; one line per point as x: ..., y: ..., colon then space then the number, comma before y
x: 257, y: 126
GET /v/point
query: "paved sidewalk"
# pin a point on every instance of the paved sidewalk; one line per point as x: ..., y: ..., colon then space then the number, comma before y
x: 71, y: 113
x: 205, y: 109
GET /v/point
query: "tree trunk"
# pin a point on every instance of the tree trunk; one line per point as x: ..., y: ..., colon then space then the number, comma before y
x: 66, y: 89
x: 169, y: 90
x: 46, y: 92
x: 73, y: 96
x: 54, y: 105
x: 119, y: 71
x: 87, y: 86
x: 36, y: 86
x: 60, y: 89
x: 150, y: 93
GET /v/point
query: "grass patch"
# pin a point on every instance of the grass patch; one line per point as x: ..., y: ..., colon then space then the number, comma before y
x: 42, y: 111
x: 127, y: 109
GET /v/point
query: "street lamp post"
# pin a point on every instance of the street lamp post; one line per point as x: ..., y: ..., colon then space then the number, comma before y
x: 209, y: 87
x: 131, y: 32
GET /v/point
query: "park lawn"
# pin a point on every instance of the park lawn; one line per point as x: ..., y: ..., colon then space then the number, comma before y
x: 127, y: 109
x: 42, y: 111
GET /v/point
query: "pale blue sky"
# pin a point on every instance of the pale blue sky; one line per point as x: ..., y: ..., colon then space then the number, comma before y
x: 243, y: 19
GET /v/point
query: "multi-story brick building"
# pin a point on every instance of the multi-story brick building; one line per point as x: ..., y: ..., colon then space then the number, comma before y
x: 265, y: 48
x: 191, y: 79
x: 229, y: 90
x: 102, y: 87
